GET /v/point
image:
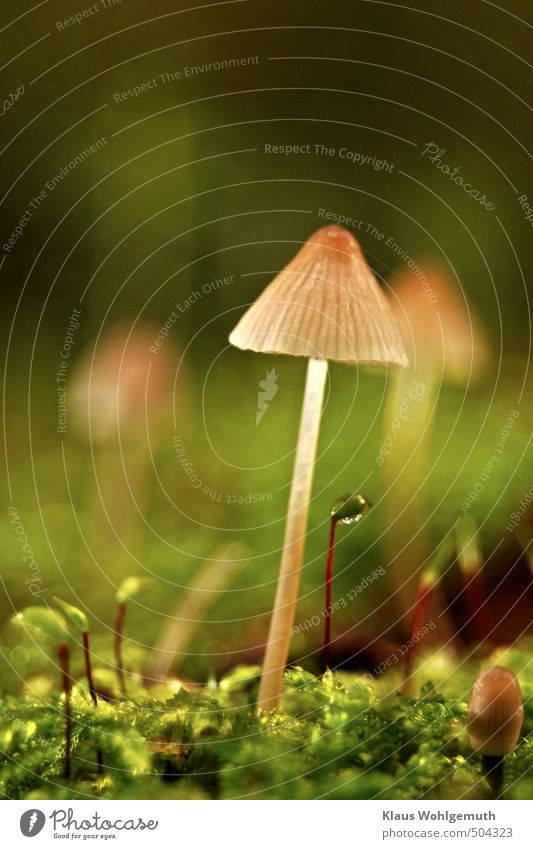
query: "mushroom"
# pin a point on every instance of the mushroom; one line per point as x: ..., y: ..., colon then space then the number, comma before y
x: 115, y: 386
x: 118, y: 393
x: 445, y: 341
x: 444, y: 337
x: 324, y: 305
x: 495, y: 717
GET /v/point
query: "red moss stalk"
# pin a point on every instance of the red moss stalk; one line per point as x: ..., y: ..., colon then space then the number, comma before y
x: 63, y: 653
x: 326, y: 650
x: 120, y: 616
x: 88, y: 667
x: 92, y: 691
x: 470, y: 559
x: 348, y: 510
x: 480, y: 612
x: 423, y: 599
x: 427, y: 586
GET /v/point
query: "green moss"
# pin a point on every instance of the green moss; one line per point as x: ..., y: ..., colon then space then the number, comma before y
x: 339, y: 737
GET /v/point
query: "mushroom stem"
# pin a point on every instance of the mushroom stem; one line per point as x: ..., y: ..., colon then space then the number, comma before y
x: 279, y: 635
x: 493, y: 766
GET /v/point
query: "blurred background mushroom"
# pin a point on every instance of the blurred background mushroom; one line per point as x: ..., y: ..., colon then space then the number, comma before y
x: 446, y: 343
x: 120, y: 387
x: 119, y: 395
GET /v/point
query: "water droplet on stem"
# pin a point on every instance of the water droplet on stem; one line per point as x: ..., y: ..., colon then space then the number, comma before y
x: 350, y: 509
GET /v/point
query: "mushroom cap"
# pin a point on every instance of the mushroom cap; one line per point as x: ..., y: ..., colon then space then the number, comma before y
x: 441, y: 331
x: 495, y: 712
x: 116, y: 384
x: 325, y: 304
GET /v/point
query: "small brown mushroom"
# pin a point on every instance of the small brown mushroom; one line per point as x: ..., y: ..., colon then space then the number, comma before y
x: 324, y: 305
x: 495, y: 717
x: 495, y: 712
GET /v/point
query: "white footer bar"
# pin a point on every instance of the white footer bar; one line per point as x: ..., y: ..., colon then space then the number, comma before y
x: 268, y: 825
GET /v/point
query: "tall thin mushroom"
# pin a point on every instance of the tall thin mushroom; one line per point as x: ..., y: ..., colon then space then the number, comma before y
x: 324, y: 305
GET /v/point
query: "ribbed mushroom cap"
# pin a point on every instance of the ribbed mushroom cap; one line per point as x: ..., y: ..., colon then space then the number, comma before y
x: 325, y: 304
x: 441, y: 331
x: 495, y: 712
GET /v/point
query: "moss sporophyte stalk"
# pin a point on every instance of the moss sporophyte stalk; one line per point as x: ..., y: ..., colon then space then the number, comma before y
x: 347, y: 510
x: 470, y: 560
x: 129, y: 588
x: 79, y: 621
x: 428, y: 582
x: 63, y: 654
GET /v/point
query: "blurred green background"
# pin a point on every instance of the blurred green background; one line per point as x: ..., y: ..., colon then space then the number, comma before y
x: 180, y: 193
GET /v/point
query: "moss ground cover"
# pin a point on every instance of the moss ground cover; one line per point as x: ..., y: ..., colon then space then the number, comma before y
x: 343, y: 736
